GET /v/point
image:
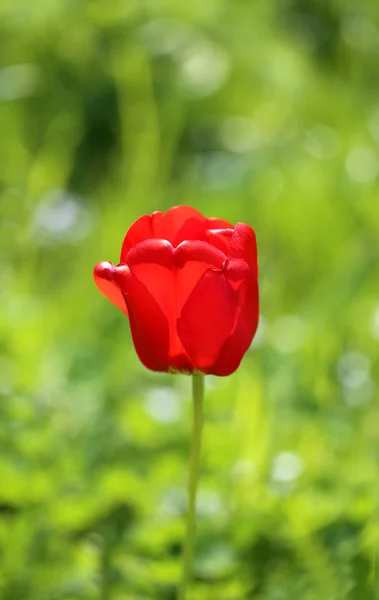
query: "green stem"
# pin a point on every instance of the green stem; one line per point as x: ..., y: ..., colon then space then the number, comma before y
x: 198, y: 398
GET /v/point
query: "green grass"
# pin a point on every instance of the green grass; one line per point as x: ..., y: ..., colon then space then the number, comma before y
x: 251, y: 111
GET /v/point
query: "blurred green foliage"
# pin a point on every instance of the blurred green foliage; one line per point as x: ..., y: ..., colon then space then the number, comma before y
x: 247, y: 110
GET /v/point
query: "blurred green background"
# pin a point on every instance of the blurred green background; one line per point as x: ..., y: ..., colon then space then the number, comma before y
x: 258, y: 111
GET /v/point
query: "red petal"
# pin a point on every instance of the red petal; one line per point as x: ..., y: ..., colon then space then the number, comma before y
x: 192, y: 259
x: 207, y: 318
x: 220, y: 238
x: 244, y: 245
x: 170, y: 276
x: 192, y: 229
x: 157, y: 218
x: 196, y: 250
x: 178, y: 224
x: 152, y: 263
x: 153, y: 251
x: 246, y: 321
x: 148, y: 324
x: 141, y: 229
x: 214, y: 223
x: 103, y: 276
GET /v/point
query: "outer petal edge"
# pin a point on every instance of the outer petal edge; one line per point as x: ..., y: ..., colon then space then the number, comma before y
x: 103, y: 276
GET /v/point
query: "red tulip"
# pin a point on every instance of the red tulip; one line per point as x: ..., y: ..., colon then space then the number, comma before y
x: 190, y: 288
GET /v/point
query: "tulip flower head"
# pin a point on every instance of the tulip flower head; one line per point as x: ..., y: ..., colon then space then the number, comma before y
x: 189, y: 286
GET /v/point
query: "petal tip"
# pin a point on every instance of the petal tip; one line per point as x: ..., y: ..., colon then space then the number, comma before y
x: 103, y: 269
x: 104, y: 276
x: 243, y: 243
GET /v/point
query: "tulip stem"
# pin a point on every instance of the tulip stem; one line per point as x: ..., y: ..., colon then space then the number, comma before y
x: 198, y: 400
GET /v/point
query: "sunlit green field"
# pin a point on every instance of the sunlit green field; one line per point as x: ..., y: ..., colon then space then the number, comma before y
x: 252, y: 111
